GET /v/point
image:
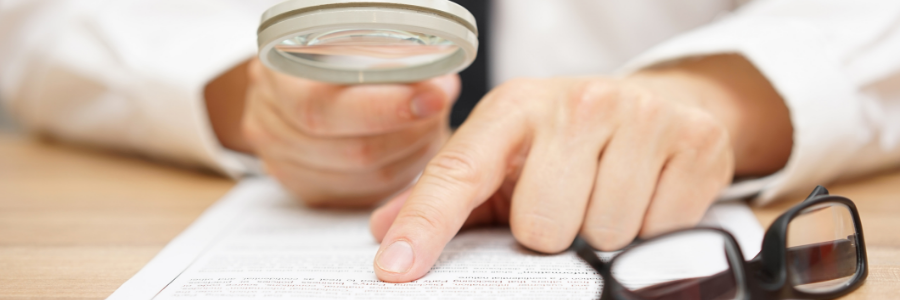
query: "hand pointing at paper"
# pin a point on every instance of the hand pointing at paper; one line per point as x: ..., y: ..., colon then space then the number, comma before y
x: 610, y: 159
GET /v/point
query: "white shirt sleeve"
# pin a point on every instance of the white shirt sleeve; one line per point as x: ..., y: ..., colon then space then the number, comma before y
x: 836, y: 64
x: 127, y: 75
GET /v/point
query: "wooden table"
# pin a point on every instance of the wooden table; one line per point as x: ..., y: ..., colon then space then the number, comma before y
x: 77, y: 223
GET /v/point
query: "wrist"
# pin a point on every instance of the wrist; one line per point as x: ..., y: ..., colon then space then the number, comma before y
x: 224, y: 97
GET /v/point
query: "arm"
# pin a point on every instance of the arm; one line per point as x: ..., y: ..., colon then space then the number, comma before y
x: 171, y: 80
x: 127, y: 76
x: 829, y: 61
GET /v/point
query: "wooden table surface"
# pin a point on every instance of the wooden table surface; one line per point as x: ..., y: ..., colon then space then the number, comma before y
x: 77, y: 223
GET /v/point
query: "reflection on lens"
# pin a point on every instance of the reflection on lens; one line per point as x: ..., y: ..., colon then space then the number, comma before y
x: 367, y: 49
x: 822, y: 248
x: 689, y: 265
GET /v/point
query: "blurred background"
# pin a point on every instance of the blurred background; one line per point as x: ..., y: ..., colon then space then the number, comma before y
x: 7, y: 124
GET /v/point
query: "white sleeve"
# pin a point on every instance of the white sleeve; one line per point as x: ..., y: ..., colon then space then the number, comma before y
x: 127, y: 75
x: 836, y: 63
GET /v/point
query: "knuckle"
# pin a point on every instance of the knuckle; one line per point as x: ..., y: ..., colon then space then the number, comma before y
x: 596, y: 100
x: 703, y: 132
x: 424, y: 215
x: 454, y: 168
x: 309, y: 122
x: 648, y: 109
x: 360, y: 155
x: 539, y: 233
x: 594, y: 95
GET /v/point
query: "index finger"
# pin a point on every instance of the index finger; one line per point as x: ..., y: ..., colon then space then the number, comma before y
x: 461, y: 176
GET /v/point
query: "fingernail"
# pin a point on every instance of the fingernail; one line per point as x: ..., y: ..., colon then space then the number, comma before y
x: 425, y: 105
x: 397, y: 258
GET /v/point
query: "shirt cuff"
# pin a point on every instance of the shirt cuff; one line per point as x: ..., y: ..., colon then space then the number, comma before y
x: 795, y: 57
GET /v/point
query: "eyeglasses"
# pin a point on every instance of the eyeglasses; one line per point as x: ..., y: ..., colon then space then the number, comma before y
x: 815, y: 250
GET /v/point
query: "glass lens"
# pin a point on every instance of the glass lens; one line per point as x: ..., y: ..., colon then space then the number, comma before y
x: 690, y: 265
x: 822, y: 248
x: 366, y: 49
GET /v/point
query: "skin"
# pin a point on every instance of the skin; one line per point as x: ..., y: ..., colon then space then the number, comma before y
x: 608, y: 158
x: 331, y: 145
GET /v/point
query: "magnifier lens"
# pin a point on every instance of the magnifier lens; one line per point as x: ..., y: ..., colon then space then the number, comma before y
x: 367, y: 41
x: 366, y: 49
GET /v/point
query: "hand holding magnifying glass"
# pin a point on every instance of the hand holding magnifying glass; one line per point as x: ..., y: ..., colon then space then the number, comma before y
x: 350, y: 99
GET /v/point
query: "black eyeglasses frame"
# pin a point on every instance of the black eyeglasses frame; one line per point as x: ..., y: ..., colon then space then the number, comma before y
x: 765, y: 276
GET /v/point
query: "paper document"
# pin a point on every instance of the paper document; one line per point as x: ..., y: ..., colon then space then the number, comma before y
x: 257, y: 242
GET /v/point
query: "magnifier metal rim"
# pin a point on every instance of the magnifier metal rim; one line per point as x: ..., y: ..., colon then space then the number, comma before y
x: 444, y: 8
x: 441, y: 18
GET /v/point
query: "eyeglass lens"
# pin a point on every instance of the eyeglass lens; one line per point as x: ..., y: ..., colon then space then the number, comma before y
x: 822, y: 247
x: 688, y: 265
x: 366, y: 49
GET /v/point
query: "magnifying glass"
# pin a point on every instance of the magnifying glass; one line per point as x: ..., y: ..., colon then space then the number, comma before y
x: 367, y: 41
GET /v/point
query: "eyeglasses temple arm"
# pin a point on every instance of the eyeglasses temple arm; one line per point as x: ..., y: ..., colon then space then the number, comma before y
x: 586, y: 253
x: 818, y: 191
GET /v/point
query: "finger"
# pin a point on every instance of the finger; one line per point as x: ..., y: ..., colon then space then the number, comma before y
x: 461, y: 177
x: 324, y: 109
x: 551, y: 195
x: 493, y: 211
x: 342, y: 154
x: 319, y: 188
x: 384, y: 216
x: 692, y: 179
x: 626, y: 179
